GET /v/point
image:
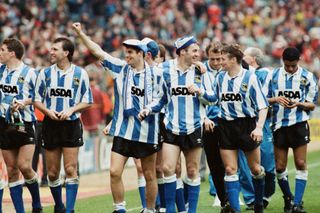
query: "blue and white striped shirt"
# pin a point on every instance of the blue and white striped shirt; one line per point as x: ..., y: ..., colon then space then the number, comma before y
x: 19, y: 84
x: 300, y: 86
x: 130, y: 127
x: 184, y: 112
x: 212, y: 110
x: 240, y: 96
x: 60, y: 90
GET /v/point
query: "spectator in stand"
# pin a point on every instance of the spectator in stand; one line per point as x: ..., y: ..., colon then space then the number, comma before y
x: 93, y: 117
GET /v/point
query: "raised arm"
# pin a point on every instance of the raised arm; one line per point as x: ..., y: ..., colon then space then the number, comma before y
x: 93, y: 47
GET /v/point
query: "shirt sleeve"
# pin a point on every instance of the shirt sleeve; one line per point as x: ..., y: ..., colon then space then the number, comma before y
x: 256, y: 94
x: 40, y: 87
x: 208, y: 95
x: 312, y: 89
x: 113, y: 65
x: 86, y: 93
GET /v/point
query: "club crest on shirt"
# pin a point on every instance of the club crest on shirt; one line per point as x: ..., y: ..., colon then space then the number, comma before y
x: 244, y: 87
x: 76, y: 81
x: 197, y: 79
x: 303, y: 81
x: 21, y: 79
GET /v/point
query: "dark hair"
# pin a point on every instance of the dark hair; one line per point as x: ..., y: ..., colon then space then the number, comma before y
x: 136, y: 49
x: 215, y: 47
x: 162, y: 50
x: 291, y: 54
x: 67, y: 45
x: 16, y: 46
x: 233, y: 50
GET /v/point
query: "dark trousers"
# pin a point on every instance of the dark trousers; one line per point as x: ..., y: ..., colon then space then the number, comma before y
x: 39, y: 150
x: 211, y: 147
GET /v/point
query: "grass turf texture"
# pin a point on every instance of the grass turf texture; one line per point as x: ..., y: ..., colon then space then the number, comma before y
x: 311, y: 196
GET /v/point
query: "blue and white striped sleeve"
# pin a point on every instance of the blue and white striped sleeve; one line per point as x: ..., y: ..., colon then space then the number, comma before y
x: 32, y: 83
x: 312, y: 94
x: 85, y: 92
x: 40, y: 87
x: 113, y: 65
x: 161, y: 98
x: 207, y: 96
x: 256, y: 94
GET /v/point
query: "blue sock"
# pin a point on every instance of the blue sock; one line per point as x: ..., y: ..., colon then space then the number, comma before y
x: 161, y: 192
x: 180, y: 196
x: 301, y: 182
x: 232, y: 190
x: 158, y: 201
x: 72, y: 185
x: 258, y: 184
x: 283, y: 182
x: 33, y: 188
x: 193, y: 193
x: 142, y: 191
x: 16, y: 196
x: 212, y: 189
x: 170, y: 186
x: 185, y: 186
x: 56, y: 192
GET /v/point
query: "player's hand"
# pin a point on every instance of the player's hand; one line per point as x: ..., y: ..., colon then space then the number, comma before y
x: 54, y: 115
x: 283, y: 101
x: 17, y: 104
x: 256, y: 134
x: 77, y: 27
x: 194, y: 89
x: 292, y: 104
x: 63, y: 115
x: 143, y: 114
x: 106, y: 130
x: 208, y: 125
x: 201, y: 67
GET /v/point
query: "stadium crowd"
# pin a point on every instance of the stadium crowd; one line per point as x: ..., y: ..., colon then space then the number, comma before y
x: 268, y: 25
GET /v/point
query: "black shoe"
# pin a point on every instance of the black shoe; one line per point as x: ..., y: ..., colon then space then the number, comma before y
x: 258, y: 208
x: 288, y: 204
x: 250, y: 206
x: 56, y: 210
x: 226, y: 208
x: 298, y: 209
x: 142, y: 210
x: 265, y: 203
x: 37, y: 210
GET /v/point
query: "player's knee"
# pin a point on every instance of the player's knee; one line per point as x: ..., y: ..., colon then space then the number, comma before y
x: 230, y: 170
x: 115, y: 173
x: 13, y: 174
x: 256, y: 170
x: 301, y: 164
x: 168, y: 170
x: 53, y: 175
x: 25, y: 169
x: 159, y: 170
x: 149, y: 175
x: 192, y: 172
x: 71, y: 170
x: 280, y: 165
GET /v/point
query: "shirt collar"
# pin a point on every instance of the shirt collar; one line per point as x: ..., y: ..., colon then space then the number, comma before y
x: 284, y: 72
x: 15, y: 69
x: 238, y: 75
x: 175, y: 64
x: 69, y: 70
